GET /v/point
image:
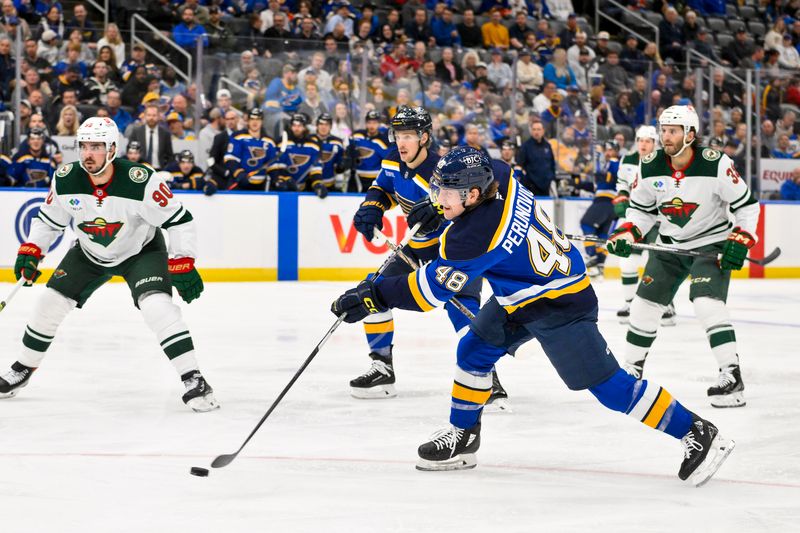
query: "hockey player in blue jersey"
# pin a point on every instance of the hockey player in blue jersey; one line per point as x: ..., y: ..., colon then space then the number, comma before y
x: 370, y: 147
x: 249, y: 154
x: 31, y: 166
x: 598, y: 218
x: 541, y: 291
x: 185, y: 174
x: 331, y: 155
x: 297, y: 168
x: 6, y: 180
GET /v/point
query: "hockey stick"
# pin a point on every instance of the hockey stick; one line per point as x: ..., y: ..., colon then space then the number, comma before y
x: 413, y: 264
x: 11, y: 294
x: 224, y: 460
x: 769, y: 258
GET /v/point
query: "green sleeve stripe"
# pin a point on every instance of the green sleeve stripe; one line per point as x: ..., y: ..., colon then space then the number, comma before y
x: 49, y: 221
x: 749, y: 201
x: 642, y: 206
x: 187, y: 217
x: 174, y: 216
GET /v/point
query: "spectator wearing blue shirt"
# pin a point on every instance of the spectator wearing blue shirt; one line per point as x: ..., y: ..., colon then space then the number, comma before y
x: 444, y: 29
x: 121, y: 118
x: 282, y: 93
x: 558, y: 70
x: 784, y: 149
x: 790, y: 190
x: 188, y: 32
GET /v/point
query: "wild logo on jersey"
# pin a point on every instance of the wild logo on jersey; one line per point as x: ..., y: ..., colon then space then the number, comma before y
x: 677, y: 211
x: 100, y: 231
x: 298, y: 160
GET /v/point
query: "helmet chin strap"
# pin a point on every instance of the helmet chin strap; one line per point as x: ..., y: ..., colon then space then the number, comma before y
x: 686, y: 144
x: 419, y: 150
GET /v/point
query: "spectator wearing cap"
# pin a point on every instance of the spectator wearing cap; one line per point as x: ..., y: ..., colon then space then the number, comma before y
x: 671, y: 35
x: 703, y: 45
x: 188, y: 32
x: 221, y: 39
x: 558, y: 70
x: 283, y: 93
x: 498, y: 71
x: 155, y: 140
x: 138, y: 59
x: 536, y: 158
x: 737, y: 50
x: 631, y: 58
x: 586, y: 70
x: 80, y: 21
x: 530, y: 75
x: 567, y: 35
x: 518, y: 31
x: 448, y: 70
x: 185, y: 174
x: 601, y: 48
x: 10, y: 19
x: 201, y: 13
x: 469, y: 32
x: 47, y: 47
x: 555, y: 118
x: 494, y: 33
x: 444, y: 29
x: 789, y: 58
x: 53, y: 21
x: 574, y: 103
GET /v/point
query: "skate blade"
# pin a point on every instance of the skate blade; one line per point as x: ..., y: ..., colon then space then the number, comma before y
x: 669, y: 322
x: 623, y: 319
x: 203, y: 404
x: 4, y: 395
x: 500, y: 405
x: 379, y: 392
x: 722, y: 448
x: 722, y: 401
x: 465, y: 461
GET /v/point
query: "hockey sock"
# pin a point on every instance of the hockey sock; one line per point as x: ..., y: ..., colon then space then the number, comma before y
x: 716, y: 320
x: 645, y: 401
x: 642, y: 329
x: 51, y: 309
x: 380, y: 333
x: 460, y: 322
x: 629, y: 266
x: 471, y: 390
x: 163, y: 317
x: 591, y: 249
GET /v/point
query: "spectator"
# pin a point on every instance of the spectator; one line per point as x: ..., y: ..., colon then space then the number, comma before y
x: 52, y: 21
x: 499, y: 72
x: 34, y: 60
x: 278, y: 36
x: 787, y: 125
x: 32, y: 167
x: 738, y: 50
x: 324, y: 81
x: 81, y: 22
x: 48, y: 47
x: 10, y: 19
x: 72, y: 58
x: 690, y: 25
x: 790, y: 189
x: 395, y: 63
x: 574, y: 103
x: 719, y: 135
x: 267, y: 16
x: 221, y: 39
x: 469, y: 32
x: 418, y: 29
x: 138, y: 58
x: 70, y: 79
x: 121, y: 118
x: 162, y: 14
x: 767, y: 138
x: 154, y: 139
x: 76, y: 39
x: 494, y: 33
x: 307, y: 31
x: 282, y: 93
x: 651, y: 55
x: 341, y: 121
x: 501, y: 6
x: 529, y: 75
x: 567, y: 36
x: 558, y: 71
x: 447, y: 70
x: 499, y: 128
x: 542, y: 100
x: 772, y: 98
x: 473, y: 136
x: 444, y: 30
x: 793, y: 92
x: 553, y: 118
x: 113, y: 39
x: 519, y: 30
x: 31, y: 81
x: 631, y: 58
x: 574, y: 51
x: 614, y: 76
x: 773, y: 40
x: 136, y: 87
x: 312, y: 105
x: 7, y: 68
x: 623, y: 112
x: 586, y: 70
x: 671, y: 35
x: 431, y: 98
x: 536, y: 158
x: 68, y: 121
x: 726, y: 93
x: 170, y: 85
x: 97, y: 87
x: 176, y: 128
x: 784, y: 149
x: 252, y: 38
x: 756, y: 61
x: 789, y: 58
x: 201, y: 13
x: 703, y: 45
x: 342, y: 17
x: 188, y: 32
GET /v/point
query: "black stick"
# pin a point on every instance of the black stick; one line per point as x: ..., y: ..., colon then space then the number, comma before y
x: 224, y: 460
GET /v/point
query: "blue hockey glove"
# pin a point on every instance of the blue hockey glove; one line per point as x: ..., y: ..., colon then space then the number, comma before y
x: 358, y: 303
x: 427, y: 214
x: 368, y: 217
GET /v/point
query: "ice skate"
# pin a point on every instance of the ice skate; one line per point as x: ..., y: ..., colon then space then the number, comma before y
x: 668, y: 318
x: 704, y: 452
x: 13, y: 380
x: 595, y: 266
x: 377, y: 382
x: 729, y: 390
x: 635, y: 369
x: 498, y: 399
x: 199, y: 395
x: 624, y: 314
x: 450, y: 449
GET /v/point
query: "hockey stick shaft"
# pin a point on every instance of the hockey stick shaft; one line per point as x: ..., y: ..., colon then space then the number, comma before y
x: 678, y: 251
x: 413, y: 264
x: 224, y: 460
x: 13, y: 292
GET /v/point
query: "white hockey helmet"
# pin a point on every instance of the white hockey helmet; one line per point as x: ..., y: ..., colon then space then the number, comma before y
x: 681, y: 115
x: 100, y: 130
x: 647, y: 132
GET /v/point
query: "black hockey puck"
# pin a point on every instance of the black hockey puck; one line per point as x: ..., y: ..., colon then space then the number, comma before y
x: 200, y: 472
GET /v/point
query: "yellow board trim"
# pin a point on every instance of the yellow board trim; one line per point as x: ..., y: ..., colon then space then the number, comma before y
x: 468, y: 395
x: 506, y: 211
x: 572, y: 289
x: 659, y: 408
x: 208, y: 274
x: 382, y: 327
x: 417, y: 294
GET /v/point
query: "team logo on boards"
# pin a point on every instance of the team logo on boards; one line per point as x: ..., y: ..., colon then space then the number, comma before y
x: 25, y: 215
x: 100, y: 231
x: 677, y: 211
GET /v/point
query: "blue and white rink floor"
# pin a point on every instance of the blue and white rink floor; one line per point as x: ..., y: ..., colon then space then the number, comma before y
x: 100, y: 441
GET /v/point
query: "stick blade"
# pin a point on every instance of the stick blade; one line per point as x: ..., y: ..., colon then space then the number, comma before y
x: 223, y: 460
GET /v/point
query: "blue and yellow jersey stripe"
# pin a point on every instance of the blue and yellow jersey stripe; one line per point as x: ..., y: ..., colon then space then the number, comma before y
x: 551, y: 290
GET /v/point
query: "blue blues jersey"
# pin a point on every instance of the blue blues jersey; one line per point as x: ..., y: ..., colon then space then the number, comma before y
x: 370, y: 152
x: 248, y: 159
x: 180, y: 181
x: 298, y: 161
x: 508, y: 240
x: 606, y: 180
x: 28, y: 170
x: 6, y: 180
x: 331, y: 157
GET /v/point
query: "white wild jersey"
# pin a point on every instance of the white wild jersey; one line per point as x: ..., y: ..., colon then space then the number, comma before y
x: 627, y: 172
x: 696, y: 206
x: 115, y: 221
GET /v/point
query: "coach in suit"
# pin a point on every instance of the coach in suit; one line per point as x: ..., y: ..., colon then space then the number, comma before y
x: 155, y: 140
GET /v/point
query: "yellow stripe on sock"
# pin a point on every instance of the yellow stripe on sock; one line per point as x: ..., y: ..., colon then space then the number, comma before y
x: 470, y: 395
x: 659, y: 408
x: 380, y: 327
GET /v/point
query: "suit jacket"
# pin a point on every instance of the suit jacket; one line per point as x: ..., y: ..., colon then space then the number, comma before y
x: 218, y: 149
x: 165, y: 154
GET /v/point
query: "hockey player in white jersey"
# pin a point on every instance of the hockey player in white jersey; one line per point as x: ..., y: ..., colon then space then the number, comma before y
x: 702, y: 204
x: 117, y: 208
x: 646, y: 143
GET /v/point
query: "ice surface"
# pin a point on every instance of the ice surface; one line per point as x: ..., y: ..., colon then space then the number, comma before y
x: 100, y: 441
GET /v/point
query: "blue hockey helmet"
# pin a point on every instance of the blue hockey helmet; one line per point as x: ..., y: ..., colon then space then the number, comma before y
x: 462, y: 168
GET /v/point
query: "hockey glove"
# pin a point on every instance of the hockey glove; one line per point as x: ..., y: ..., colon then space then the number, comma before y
x: 185, y: 278
x: 368, y: 217
x: 320, y: 189
x: 285, y: 184
x: 427, y: 214
x: 358, y: 303
x: 736, y: 247
x: 621, y: 203
x: 619, y: 243
x: 28, y: 257
x: 210, y: 187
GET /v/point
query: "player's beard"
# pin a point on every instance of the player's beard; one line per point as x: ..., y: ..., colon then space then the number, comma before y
x: 671, y: 151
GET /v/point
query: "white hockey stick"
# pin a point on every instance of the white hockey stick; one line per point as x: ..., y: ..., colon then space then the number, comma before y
x: 11, y: 294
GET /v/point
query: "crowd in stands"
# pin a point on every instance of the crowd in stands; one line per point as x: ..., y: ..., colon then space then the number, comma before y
x: 507, y: 75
